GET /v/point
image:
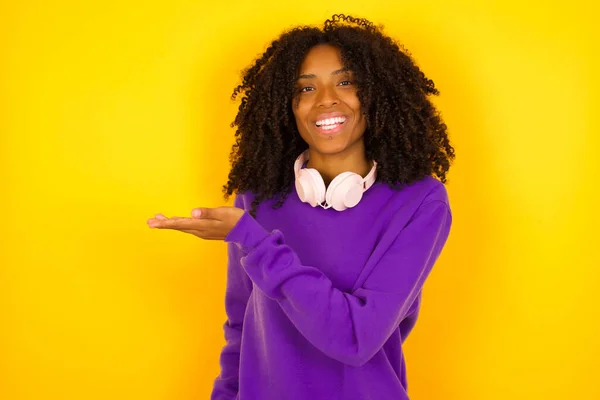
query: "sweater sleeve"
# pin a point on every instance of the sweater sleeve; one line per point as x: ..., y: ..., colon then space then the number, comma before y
x: 237, y: 293
x: 349, y: 327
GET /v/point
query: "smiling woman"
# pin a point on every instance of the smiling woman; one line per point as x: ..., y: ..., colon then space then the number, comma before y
x: 326, y: 106
x: 348, y: 69
x: 324, y: 286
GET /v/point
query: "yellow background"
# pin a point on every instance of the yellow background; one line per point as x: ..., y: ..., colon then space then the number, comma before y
x: 113, y: 111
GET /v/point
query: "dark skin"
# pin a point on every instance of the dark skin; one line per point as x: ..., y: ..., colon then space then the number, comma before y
x: 205, y: 223
x: 325, y: 88
x: 404, y: 133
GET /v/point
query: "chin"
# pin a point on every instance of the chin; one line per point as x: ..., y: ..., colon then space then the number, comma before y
x: 333, y: 146
x: 339, y: 142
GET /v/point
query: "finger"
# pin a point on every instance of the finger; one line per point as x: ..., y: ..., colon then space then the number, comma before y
x: 153, y: 222
x: 164, y: 217
x: 193, y: 224
x: 206, y: 213
x: 160, y: 217
x: 186, y: 223
x: 190, y: 231
x: 198, y: 212
x: 156, y: 222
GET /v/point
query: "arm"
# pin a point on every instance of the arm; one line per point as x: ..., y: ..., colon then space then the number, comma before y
x: 237, y: 293
x: 349, y: 327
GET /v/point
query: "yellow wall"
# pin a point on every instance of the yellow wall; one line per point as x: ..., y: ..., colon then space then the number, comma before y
x: 112, y: 111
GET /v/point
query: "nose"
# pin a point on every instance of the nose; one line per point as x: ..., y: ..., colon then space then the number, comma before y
x: 327, y: 97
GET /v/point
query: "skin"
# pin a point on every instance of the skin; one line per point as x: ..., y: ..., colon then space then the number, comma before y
x: 324, y: 86
x: 205, y: 223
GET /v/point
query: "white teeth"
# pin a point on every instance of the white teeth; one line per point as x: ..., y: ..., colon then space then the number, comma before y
x: 331, y: 121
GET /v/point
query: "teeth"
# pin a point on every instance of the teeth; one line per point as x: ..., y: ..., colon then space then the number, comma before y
x: 331, y: 121
x: 327, y: 127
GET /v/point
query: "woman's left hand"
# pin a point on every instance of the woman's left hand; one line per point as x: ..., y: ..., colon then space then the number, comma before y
x: 205, y: 223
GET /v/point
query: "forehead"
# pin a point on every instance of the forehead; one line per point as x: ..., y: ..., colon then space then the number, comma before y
x: 322, y: 58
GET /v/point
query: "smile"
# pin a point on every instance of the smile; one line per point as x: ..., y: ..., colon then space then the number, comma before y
x: 330, y: 123
x: 331, y: 126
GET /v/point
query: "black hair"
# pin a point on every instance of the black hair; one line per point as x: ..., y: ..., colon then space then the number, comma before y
x: 405, y: 133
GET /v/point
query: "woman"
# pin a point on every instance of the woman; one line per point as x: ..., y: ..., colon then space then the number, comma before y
x: 338, y: 217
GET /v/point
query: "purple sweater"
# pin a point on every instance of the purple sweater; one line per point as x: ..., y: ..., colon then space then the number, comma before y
x: 319, y: 302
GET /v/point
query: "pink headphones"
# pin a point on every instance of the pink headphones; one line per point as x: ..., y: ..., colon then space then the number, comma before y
x: 344, y: 191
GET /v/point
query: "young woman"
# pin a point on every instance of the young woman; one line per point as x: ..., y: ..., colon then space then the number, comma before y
x: 338, y: 218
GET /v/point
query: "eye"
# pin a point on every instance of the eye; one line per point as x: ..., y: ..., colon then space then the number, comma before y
x: 305, y: 89
x: 345, y: 83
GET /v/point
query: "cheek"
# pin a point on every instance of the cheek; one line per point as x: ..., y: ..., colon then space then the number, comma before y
x: 354, y: 104
x: 351, y: 100
x: 361, y: 119
x: 360, y: 126
x: 300, y: 111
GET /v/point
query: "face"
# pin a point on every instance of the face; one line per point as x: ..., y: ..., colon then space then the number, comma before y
x: 326, y: 106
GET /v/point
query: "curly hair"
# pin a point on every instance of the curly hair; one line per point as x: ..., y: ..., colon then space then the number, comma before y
x: 404, y: 132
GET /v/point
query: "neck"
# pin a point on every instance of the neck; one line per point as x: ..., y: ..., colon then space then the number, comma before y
x: 331, y: 165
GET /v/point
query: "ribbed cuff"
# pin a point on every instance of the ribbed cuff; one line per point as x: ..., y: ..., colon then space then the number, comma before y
x: 247, y: 233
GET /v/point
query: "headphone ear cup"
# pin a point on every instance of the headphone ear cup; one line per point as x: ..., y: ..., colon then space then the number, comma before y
x: 310, y: 186
x: 345, y: 191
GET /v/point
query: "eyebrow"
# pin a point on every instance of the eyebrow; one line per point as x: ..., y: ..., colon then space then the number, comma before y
x: 312, y: 76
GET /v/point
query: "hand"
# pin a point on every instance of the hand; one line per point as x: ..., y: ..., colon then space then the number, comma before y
x: 206, y: 223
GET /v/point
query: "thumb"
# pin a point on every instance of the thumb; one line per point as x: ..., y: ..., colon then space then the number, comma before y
x: 204, y: 213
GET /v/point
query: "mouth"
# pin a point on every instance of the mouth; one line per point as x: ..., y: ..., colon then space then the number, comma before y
x: 330, y: 126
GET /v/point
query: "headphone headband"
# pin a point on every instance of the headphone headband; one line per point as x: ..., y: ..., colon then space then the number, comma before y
x: 368, y: 181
